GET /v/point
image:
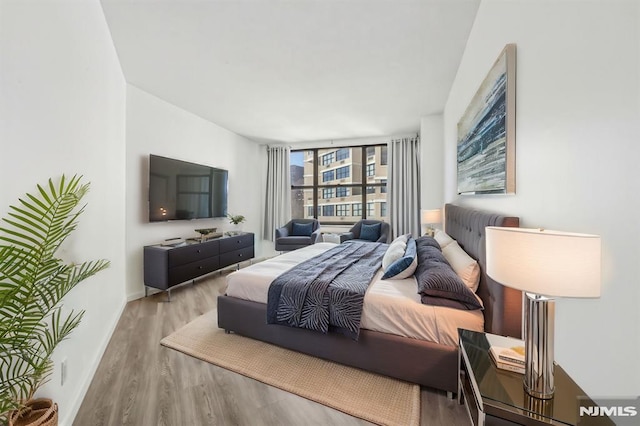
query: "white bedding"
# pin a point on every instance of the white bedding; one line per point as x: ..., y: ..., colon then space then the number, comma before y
x: 390, y: 306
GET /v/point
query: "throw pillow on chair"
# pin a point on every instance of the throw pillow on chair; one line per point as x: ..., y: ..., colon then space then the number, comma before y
x: 301, y: 229
x: 370, y: 232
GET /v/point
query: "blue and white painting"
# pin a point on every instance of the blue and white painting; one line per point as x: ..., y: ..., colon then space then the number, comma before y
x: 486, y: 132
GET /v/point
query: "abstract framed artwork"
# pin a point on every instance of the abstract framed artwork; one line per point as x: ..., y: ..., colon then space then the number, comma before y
x: 486, y: 132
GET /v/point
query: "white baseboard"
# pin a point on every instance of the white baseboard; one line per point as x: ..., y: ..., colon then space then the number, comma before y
x: 136, y: 295
x: 67, y: 420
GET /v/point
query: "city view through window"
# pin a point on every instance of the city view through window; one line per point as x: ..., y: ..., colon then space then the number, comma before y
x: 339, y: 185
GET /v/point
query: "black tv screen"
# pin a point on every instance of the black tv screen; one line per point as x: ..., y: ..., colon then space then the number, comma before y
x: 179, y: 190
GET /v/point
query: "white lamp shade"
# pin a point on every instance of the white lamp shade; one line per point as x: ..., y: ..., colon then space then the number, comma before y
x: 431, y: 216
x: 549, y: 263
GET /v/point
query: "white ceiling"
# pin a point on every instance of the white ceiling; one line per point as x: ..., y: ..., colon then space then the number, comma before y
x: 295, y: 70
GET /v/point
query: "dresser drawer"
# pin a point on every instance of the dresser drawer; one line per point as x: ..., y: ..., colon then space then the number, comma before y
x: 192, y: 253
x: 236, y: 242
x: 180, y: 274
x: 165, y: 267
x: 236, y: 256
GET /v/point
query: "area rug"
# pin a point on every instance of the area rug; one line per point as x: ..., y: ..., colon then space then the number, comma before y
x: 372, y: 397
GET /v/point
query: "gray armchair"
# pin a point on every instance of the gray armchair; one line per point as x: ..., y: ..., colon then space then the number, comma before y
x: 297, y: 233
x: 371, y: 231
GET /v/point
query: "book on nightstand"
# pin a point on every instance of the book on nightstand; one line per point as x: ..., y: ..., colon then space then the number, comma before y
x: 507, y: 353
x: 516, y: 368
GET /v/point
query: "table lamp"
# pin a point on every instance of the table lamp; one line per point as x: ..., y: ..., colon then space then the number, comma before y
x: 545, y: 265
x: 430, y: 218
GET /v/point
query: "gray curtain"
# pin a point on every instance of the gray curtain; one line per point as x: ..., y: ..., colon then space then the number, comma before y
x: 278, y: 195
x: 404, y: 186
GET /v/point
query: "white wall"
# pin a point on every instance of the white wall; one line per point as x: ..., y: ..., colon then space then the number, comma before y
x: 576, y: 159
x: 431, y: 162
x: 158, y: 127
x: 62, y: 110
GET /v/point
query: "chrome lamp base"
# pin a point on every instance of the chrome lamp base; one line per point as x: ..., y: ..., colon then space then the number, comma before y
x: 539, y: 351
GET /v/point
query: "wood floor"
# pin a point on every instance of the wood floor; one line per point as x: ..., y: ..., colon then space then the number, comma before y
x: 142, y: 383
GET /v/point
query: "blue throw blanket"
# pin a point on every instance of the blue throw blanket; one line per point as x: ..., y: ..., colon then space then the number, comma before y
x: 326, y: 292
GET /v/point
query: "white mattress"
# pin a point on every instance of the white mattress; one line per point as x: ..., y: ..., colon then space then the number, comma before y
x: 390, y: 306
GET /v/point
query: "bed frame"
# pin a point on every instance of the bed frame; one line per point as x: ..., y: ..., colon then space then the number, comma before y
x: 425, y: 363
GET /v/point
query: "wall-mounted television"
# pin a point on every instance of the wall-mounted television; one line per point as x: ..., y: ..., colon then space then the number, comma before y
x: 179, y: 190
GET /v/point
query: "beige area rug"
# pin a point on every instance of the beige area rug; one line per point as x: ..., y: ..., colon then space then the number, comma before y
x: 369, y: 396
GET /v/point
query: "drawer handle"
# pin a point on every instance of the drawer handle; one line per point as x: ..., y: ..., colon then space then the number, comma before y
x: 199, y: 267
x: 198, y: 251
x: 240, y: 255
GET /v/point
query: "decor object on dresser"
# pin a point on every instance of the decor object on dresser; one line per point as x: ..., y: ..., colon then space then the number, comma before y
x: 368, y: 230
x: 206, y: 233
x: 544, y: 264
x: 429, y: 357
x: 486, y: 132
x: 430, y: 218
x: 165, y: 266
x: 33, y: 282
x: 298, y: 233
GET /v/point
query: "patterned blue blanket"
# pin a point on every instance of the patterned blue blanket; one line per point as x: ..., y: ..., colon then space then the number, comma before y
x: 326, y: 292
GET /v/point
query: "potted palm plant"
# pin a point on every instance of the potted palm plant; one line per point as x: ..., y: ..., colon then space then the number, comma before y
x: 33, y: 282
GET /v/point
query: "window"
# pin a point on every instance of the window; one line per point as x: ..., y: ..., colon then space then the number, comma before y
x: 328, y: 210
x: 371, y: 151
x: 371, y: 209
x: 298, y: 203
x: 328, y: 158
x: 371, y: 169
x: 342, y: 172
x: 342, y: 192
x: 342, y: 154
x: 383, y: 156
x: 314, y: 188
x: 298, y: 161
x: 377, y: 206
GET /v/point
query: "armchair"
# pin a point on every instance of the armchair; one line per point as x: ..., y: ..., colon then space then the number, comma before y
x: 372, y: 228
x: 297, y: 233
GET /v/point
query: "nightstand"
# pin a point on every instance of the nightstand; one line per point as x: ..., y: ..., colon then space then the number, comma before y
x: 496, y: 397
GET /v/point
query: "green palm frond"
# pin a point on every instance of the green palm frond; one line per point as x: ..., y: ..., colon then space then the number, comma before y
x: 33, y: 283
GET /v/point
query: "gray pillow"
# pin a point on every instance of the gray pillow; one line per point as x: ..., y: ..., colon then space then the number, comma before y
x: 436, y: 278
x: 427, y: 241
x: 448, y: 303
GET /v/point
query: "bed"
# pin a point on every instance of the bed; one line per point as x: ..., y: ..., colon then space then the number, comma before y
x: 404, y: 353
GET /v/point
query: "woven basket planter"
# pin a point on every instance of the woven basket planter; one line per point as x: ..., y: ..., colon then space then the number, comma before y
x: 37, y: 412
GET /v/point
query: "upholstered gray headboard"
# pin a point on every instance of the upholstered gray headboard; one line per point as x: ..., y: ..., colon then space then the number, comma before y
x: 502, y: 305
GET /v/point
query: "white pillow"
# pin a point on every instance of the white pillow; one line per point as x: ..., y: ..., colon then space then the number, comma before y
x: 394, y: 252
x: 402, y: 238
x: 442, y: 238
x: 464, y: 265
